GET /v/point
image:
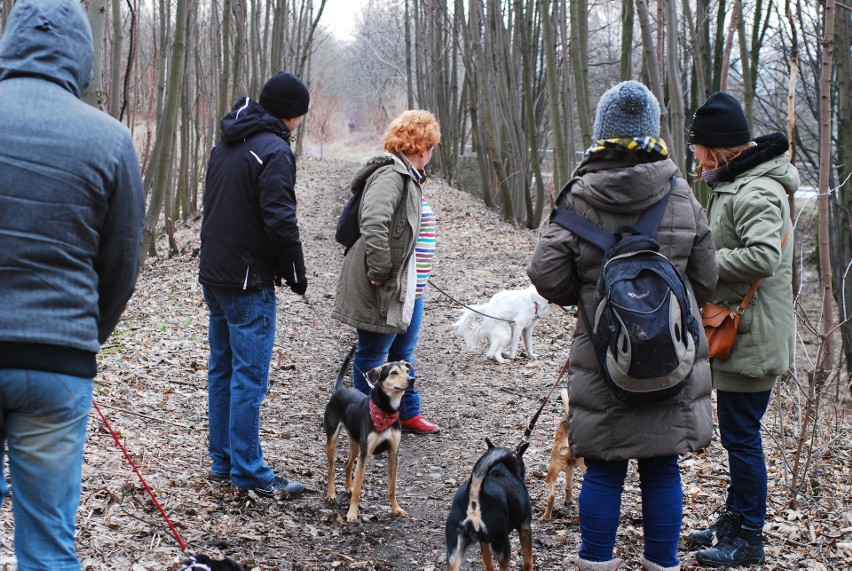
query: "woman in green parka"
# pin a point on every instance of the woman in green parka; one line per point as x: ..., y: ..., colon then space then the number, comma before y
x: 749, y: 215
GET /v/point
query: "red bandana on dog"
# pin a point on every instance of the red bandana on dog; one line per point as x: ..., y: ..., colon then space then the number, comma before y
x: 382, y: 420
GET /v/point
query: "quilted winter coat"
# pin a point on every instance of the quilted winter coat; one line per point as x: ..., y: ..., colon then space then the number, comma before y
x: 614, y: 192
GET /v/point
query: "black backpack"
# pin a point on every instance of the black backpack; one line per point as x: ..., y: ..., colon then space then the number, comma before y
x: 349, y: 224
x: 644, y: 333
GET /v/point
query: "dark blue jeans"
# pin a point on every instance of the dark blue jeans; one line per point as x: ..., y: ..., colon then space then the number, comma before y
x: 662, y: 508
x: 241, y: 335
x: 739, y: 426
x: 376, y: 348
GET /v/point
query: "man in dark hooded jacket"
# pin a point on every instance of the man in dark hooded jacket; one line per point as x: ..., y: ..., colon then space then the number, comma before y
x: 70, y: 244
x: 249, y: 243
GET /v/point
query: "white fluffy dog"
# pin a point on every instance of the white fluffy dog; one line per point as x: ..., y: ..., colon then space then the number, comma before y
x: 516, y: 312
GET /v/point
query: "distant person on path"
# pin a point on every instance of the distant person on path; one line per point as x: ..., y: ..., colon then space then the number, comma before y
x: 384, y: 274
x: 351, y: 125
x: 626, y: 171
x: 71, y: 233
x: 249, y: 243
x: 750, y: 217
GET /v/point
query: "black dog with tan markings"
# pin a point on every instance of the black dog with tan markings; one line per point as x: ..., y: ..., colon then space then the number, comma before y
x: 488, y: 507
x: 372, y: 423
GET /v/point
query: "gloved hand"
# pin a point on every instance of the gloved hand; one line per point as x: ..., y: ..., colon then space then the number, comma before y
x: 292, y: 270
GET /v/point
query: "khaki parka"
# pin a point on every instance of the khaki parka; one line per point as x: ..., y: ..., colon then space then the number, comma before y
x: 613, y: 190
x: 390, y: 223
x: 749, y: 214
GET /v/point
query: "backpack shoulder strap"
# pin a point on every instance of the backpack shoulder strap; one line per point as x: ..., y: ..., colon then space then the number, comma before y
x: 650, y: 219
x: 583, y: 228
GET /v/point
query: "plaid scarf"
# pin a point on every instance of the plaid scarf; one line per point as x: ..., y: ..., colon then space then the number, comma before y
x: 647, y: 144
x: 382, y: 420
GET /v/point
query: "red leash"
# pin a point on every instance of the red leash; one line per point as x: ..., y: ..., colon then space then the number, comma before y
x: 141, y: 479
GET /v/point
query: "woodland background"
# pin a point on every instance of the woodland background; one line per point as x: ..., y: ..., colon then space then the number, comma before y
x: 514, y: 85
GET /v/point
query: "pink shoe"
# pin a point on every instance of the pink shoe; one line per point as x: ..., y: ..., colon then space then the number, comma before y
x: 419, y: 425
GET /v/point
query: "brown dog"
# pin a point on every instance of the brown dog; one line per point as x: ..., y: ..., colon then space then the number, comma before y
x: 561, y: 459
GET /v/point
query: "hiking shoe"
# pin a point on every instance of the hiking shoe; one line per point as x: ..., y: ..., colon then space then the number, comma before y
x: 219, y: 477
x: 279, y: 484
x: 726, y: 526
x: 419, y: 425
x: 744, y: 547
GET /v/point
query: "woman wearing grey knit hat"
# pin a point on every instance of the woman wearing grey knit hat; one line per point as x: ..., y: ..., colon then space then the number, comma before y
x: 750, y: 218
x: 626, y: 171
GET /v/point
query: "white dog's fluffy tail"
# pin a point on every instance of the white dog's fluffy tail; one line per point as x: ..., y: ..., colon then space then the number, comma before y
x: 469, y: 328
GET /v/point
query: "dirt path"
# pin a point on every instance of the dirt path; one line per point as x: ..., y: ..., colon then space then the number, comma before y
x: 152, y: 386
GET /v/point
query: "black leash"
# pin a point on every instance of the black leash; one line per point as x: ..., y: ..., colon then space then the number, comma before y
x: 526, y: 438
x: 465, y: 306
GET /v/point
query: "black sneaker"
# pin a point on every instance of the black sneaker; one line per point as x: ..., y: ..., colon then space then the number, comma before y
x: 279, y: 484
x: 219, y: 477
x: 727, y: 524
x: 745, y: 547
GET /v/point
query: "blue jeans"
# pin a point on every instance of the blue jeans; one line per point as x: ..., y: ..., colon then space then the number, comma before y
x: 662, y: 508
x: 43, y: 419
x: 376, y: 348
x: 739, y: 426
x: 241, y: 335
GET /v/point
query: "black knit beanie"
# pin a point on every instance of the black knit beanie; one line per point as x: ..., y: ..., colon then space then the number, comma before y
x: 720, y: 122
x: 285, y: 96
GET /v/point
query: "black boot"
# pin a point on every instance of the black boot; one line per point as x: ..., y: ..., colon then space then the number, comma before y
x: 745, y: 547
x: 728, y: 522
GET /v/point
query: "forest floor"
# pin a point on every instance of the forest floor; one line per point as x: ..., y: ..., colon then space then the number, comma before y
x: 151, y: 386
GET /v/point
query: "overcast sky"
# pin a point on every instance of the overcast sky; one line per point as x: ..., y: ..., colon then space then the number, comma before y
x: 339, y: 16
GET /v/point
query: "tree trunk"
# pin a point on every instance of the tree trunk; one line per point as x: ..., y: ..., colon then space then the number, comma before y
x: 157, y: 179
x: 559, y: 152
x: 729, y: 40
x: 627, y: 40
x: 825, y: 363
x: 116, y: 60
x: 94, y: 94
x: 656, y: 84
x: 678, y: 117
x: 579, y: 54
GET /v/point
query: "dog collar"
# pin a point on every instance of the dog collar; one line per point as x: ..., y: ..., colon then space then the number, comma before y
x: 382, y: 420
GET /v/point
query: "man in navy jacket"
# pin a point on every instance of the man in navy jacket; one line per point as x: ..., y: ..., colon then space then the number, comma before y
x: 249, y: 243
x: 71, y: 211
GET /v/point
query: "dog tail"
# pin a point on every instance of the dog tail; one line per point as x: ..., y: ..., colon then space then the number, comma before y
x: 344, y: 367
x: 469, y: 327
x: 495, y: 455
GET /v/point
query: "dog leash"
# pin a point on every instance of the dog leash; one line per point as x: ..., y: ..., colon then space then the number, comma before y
x: 463, y: 305
x: 526, y: 438
x: 175, y: 533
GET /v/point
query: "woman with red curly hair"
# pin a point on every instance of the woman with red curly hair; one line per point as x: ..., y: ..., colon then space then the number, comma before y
x: 380, y: 289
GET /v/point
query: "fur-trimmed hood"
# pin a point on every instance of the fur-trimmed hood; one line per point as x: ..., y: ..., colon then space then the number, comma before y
x: 765, y: 149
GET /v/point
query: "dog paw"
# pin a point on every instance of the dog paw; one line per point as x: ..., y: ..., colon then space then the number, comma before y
x: 351, y: 516
x: 399, y: 511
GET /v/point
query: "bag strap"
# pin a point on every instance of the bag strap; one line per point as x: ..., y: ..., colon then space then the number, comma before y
x: 647, y: 224
x: 744, y: 304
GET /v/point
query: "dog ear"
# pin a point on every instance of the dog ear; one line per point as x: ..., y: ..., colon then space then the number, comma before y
x: 373, y: 375
x: 522, y: 447
x: 488, y: 442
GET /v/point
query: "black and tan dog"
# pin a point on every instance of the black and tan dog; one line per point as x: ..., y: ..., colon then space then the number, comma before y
x: 561, y: 459
x: 488, y: 507
x: 372, y: 423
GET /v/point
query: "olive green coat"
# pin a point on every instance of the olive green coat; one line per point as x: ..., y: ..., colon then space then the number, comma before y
x: 749, y: 215
x: 390, y: 223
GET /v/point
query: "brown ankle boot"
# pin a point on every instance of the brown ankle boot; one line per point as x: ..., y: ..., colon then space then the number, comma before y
x: 651, y: 566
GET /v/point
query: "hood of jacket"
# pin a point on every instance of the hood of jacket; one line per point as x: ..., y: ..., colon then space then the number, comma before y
x: 611, y: 185
x: 374, y: 163
x: 48, y: 40
x: 248, y: 117
x: 770, y: 157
